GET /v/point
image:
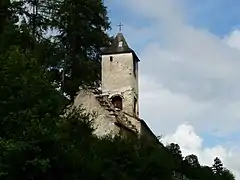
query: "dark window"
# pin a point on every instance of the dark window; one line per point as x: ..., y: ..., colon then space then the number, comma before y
x: 111, y: 58
x: 117, y: 102
x: 135, y: 106
x: 135, y: 68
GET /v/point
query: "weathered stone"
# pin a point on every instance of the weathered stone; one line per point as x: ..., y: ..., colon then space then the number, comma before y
x: 119, y: 79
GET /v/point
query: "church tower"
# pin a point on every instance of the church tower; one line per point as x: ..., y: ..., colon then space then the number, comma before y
x: 120, y: 76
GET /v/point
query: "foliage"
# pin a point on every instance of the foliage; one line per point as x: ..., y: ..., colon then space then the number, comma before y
x: 217, y: 166
x: 81, y: 26
x: 192, y: 160
x: 38, y: 139
x: 39, y: 142
x: 65, y: 38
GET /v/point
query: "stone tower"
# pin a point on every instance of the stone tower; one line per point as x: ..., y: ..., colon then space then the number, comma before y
x: 115, y: 109
x: 120, y: 76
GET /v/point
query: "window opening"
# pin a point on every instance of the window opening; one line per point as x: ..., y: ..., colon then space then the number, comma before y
x: 117, y: 102
x: 135, y: 106
x: 120, y: 44
x: 135, y: 68
x: 111, y: 58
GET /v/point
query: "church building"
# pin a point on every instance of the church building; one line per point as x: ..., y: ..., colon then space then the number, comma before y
x: 115, y: 108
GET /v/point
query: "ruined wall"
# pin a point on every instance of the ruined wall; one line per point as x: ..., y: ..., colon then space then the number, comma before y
x: 103, y: 121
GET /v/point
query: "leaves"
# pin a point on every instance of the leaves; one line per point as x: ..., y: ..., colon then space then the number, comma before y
x: 192, y: 160
x: 217, y: 166
x: 82, y: 29
x: 40, y: 137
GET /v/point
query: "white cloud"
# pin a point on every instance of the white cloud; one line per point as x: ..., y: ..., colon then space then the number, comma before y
x: 194, y: 67
x: 233, y: 40
x: 165, y: 110
x: 188, y: 74
x: 191, y: 143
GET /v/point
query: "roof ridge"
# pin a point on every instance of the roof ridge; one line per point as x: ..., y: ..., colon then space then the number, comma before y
x: 118, y: 45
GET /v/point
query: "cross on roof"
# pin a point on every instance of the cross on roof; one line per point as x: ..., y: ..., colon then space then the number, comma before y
x: 120, y: 25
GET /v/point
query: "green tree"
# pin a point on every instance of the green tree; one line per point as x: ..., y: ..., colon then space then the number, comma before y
x: 74, y: 47
x: 40, y: 137
x: 206, y: 173
x: 175, y: 150
x: 29, y: 113
x: 81, y: 28
x: 227, y: 175
x: 5, y: 14
x: 9, y: 33
x: 25, y: 92
x: 39, y: 142
x: 192, y: 160
x: 217, y: 166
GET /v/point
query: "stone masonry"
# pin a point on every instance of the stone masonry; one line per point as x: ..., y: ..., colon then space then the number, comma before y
x: 116, y: 106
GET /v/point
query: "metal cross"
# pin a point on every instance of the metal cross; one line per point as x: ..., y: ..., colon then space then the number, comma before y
x: 120, y: 25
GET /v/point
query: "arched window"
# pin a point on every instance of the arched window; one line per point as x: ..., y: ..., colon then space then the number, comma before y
x: 117, y: 102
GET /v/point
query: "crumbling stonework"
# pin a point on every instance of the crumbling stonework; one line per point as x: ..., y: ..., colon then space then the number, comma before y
x: 110, y: 122
x: 107, y: 120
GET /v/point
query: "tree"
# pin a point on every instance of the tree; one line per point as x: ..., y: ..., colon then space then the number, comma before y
x: 29, y: 114
x: 9, y: 33
x: 25, y: 92
x: 5, y: 14
x: 72, y: 52
x: 227, y: 175
x: 82, y: 29
x: 192, y: 160
x: 206, y: 173
x: 175, y: 149
x: 40, y: 141
x: 217, y: 166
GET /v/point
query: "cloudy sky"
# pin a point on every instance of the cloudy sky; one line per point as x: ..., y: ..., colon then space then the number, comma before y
x: 189, y: 78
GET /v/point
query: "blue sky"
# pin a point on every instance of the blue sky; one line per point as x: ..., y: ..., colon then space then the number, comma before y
x: 189, y: 71
x: 219, y: 17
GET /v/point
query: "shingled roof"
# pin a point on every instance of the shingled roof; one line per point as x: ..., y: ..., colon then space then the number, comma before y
x: 119, y: 45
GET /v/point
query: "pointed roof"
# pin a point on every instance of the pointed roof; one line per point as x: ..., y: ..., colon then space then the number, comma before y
x: 119, y: 45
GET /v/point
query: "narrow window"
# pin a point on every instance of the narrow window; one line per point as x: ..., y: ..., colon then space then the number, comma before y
x: 111, y: 58
x: 135, y: 68
x: 120, y: 44
x: 135, y: 106
x: 117, y: 102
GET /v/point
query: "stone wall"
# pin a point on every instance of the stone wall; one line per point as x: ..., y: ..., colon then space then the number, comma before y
x: 109, y: 121
x: 104, y: 123
x: 118, y: 78
x: 118, y: 73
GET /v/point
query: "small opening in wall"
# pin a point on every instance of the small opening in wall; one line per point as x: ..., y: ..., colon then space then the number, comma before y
x: 111, y: 58
x: 135, y: 68
x: 117, y: 102
x: 120, y: 44
x: 135, y: 106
